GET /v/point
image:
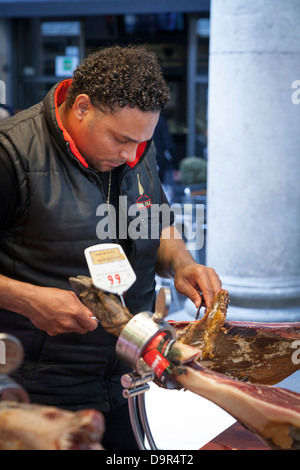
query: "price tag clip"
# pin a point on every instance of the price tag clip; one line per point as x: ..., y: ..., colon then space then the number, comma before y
x: 109, y: 268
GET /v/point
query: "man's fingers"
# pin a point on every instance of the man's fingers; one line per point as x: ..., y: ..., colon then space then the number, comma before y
x: 208, y: 283
x: 215, y: 280
x: 87, y: 321
x: 197, y: 282
x: 193, y: 292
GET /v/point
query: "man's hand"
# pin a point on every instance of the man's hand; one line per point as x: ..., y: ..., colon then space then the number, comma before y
x: 58, y: 311
x: 195, y: 281
x: 49, y: 309
x: 190, y: 278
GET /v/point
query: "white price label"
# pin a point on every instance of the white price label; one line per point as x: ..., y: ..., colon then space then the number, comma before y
x: 109, y: 267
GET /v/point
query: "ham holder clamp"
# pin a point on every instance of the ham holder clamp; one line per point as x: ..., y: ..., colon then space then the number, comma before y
x: 137, y: 346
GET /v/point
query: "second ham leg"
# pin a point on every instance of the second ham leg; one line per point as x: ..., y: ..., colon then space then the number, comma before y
x: 271, y: 413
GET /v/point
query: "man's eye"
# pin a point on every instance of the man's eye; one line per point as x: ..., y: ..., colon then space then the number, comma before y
x: 121, y: 141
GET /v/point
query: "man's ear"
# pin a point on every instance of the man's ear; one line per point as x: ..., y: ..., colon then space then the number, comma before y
x: 81, y: 106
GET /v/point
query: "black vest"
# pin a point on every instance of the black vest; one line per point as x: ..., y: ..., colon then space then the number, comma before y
x: 45, y: 246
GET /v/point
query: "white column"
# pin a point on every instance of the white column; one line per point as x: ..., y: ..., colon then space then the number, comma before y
x: 253, y: 218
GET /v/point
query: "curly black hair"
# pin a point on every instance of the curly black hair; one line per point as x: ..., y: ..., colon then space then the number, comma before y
x: 117, y: 76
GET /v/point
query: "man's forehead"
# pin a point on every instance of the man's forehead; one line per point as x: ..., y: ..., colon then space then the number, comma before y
x: 133, y: 125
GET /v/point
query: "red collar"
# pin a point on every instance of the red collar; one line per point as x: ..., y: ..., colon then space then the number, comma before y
x: 59, y: 97
x: 139, y: 152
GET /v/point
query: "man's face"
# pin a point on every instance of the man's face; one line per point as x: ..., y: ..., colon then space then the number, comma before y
x: 107, y: 140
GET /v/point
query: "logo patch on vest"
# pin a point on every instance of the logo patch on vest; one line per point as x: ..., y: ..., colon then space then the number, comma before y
x: 143, y: 201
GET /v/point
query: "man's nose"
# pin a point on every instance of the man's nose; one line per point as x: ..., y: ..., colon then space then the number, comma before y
x: 129, y: 154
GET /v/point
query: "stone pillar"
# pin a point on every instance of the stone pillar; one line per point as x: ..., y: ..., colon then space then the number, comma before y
x: 253, y: 189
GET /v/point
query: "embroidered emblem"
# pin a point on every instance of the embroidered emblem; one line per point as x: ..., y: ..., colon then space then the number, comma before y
x: 143, y: 201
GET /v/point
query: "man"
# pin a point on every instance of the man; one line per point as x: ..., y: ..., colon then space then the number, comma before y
x: 86, y: 144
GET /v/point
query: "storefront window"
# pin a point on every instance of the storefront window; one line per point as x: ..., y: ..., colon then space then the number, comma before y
x: 49, y: 52
x: 198, y: 86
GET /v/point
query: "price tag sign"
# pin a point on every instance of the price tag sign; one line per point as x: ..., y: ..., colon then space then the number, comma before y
x: 110, y: 268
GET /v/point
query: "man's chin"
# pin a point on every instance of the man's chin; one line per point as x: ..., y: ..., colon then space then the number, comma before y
x: 104, y: 166
x: 101, y: 168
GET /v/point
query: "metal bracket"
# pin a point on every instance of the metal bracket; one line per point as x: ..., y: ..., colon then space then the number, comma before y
x: 136, y: 335
x: 11, y: 391
x: 11, y: 358
x: 134, y: 383
x: 135, y: 387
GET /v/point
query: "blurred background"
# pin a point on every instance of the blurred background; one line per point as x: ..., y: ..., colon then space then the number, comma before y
x: 228, y: 140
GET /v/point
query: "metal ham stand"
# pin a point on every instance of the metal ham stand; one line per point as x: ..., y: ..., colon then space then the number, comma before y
x: 139, y: 332
x: 11, y: 357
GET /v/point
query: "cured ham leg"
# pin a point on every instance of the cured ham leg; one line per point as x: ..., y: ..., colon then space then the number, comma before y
x: 271, y: 413
x: 25, y: 426
x: 256, y: 352
x: 252, y: 351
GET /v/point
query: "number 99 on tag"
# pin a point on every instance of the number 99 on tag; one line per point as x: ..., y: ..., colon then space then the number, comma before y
x: 109, y: 268
x: 116, y: 278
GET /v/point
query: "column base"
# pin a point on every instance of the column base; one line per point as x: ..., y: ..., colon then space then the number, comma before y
x: 263, y: 293
x: 275, y: 315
